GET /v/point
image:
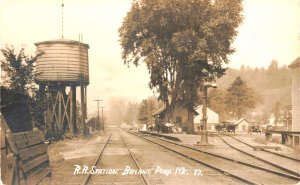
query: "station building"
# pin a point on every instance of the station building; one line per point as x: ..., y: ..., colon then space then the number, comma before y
x: 295, y: 67
x: 180, y: 116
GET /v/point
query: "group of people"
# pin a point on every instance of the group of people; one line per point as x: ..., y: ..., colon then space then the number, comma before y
x: 165, y: 127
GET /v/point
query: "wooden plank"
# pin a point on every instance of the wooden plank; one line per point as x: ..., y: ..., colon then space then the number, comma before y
x: 62, y: 71
x: 64, y: 51
x: 34, y: 140
x: 26, y: 134
x: 74, y: 66
x: 38, y: 176
x: 63, y: 65
x: 27, y: 141
x: 63, y: 55
x: 34, y: 162
x: 26, y: 153
x: 11, y: 175
x: 62, y: 77
x: 19, y: 140
x: 63, y: 58
x: 71, y: 66
x: 52, y: 53
x: 3, y: 151
x: 11, y: 142
x: 21, y: 135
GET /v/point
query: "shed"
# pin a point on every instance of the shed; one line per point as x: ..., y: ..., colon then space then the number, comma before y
x: 242, y: 125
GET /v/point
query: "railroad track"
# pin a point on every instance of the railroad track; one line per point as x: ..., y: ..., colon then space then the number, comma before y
x: 115, y: 155
x: 281, y: 162
x: 246, y: 173
x: 274, y: 153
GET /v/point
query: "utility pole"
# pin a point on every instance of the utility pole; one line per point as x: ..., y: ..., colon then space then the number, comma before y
x: 102, y: 118
x: 98, y: 112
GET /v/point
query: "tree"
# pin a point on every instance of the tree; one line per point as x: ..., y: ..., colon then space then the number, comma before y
x: 131, y: 113
x: 146, y: 109
x: 20, y: 75
x: 181, y: 42
x: 216, y: 101
x: 240, y: 98
x: 19, y: 71
x: 143, y: 114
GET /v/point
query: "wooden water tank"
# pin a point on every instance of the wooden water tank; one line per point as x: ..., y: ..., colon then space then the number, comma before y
x: 63, y: 61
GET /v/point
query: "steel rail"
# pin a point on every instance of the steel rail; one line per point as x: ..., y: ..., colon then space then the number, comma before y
x: 236, y: 161
x: 258, y: 158
x: 135, y: 161
x: 281, y: 155
x: 246, y: 181
x: 87, y: 178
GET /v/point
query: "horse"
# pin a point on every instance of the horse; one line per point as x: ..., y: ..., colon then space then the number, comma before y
x: 225, y: 127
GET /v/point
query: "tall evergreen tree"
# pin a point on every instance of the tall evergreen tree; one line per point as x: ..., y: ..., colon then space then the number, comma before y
x: 143, y: 114
x: 240, y: 98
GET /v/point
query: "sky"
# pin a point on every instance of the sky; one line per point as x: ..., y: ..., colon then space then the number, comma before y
x: 270, y: 30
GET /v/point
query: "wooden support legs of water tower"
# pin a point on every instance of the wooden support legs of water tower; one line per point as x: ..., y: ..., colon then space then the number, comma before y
x: 73, y: 128
x: 83, y: 108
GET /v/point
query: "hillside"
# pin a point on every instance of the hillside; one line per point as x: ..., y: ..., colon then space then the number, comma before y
x: 272, y: 85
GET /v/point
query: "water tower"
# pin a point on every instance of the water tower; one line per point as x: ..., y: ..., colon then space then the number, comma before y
x: 63, y: 65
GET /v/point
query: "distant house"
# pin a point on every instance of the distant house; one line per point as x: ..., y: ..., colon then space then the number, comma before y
x: 179, y: 117
x: 212, y: 119
x: 242, y: 125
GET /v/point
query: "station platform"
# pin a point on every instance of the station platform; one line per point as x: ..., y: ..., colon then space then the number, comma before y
x: 189, y: 139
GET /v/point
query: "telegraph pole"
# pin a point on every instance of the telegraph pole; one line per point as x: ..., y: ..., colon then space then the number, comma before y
x: 98, y: 112
x: 102, y: 118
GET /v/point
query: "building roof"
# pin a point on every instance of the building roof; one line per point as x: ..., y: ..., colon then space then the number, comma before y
x: 159, y: 111
x: 296, y: 63
x: 61, y: 41
x: 240, y: 121
x: 201, y: 106
x: 164, y: 108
